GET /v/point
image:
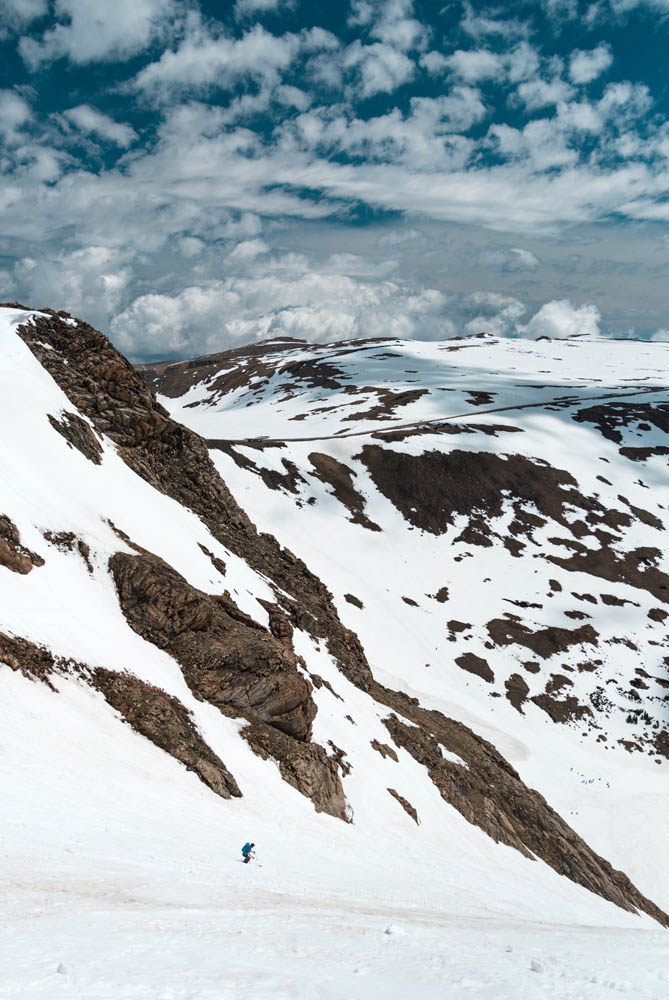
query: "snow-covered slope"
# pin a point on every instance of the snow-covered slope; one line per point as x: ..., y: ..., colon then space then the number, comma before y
x: 175, y: 684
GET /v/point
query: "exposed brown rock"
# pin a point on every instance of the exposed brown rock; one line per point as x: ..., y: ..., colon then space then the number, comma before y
x: 162, y: 719
x: 475, y: 665
x: 105, y: 387
x: 216, y: 562
x: 490, y: 794
x: 384, y: 750
x: 150, y: 711
x: 406, y: 805
x: 544, y: 642
x: 227, y: 658
x: 27, y: 658
x: 355, y: 601
x: 78, y: 435
x: 13, y: 555
x: 339, y: 478
x: 516, y: 691
x: 67, y: 541
x: 305, y: 766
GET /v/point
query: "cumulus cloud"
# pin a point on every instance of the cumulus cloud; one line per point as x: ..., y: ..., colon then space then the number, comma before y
x: 203, y: 60
x: 381, y: 68
x: 91, y: 282
x: 508, y: 259
x: 292, y: 301
x: 474, y: 65
x: 89, y: 31
x: 560, y: 319
x: 15, y: 112
x: 584, y: 67
x: 18, y: 14
x: 251, y: 8
x: 93, y: 122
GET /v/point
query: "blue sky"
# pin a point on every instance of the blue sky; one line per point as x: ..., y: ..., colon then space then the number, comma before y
x: 193, y: 176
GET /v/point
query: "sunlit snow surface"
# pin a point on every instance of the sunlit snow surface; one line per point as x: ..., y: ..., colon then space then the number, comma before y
x: 120, y: 869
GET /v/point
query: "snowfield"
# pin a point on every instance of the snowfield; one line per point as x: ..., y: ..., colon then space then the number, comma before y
x: 120, y: 868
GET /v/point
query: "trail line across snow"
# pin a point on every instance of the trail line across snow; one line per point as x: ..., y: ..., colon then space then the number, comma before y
x: 437, y: 421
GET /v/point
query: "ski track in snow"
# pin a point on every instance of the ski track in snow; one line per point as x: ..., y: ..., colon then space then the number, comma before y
x: 120, y: 869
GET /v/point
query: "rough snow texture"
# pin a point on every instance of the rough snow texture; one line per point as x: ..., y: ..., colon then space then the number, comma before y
x: 149, y: 563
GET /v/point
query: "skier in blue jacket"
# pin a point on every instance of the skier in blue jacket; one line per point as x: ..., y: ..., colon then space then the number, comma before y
x: 247, y: 852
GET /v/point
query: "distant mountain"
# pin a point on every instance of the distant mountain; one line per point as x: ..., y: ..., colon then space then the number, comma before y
x: 407, y: 593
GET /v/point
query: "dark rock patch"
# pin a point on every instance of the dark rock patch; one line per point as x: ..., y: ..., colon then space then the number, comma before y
x: 637, y: 568
x: 25, y: 657
x: 410, y: 601
x: 490, y: 795
x: 78, y: 435
x: 569, y: 709
x: 616, y: 602
x: 475, y: 665
x: 516, y: 691
x: 657, y: 614
x: 406, y: 805
x: 163, y: 720
x: 339, y: 478
x: 216, y: 562
x: 544, y: 642
x: 305, y: 766
x: 431, y: 489
x: 13, y: 555
x: 388, y: 402
x: 441, y: 595
x: 532, y: 666
x: 355, y: 601
x: 67, y: 541
x: 384, y: 750
x: 227, y: 658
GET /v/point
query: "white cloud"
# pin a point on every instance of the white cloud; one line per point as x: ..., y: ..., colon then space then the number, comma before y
x: 250, y: 8
x: 15, y: 112
x: 202, y: 61
x: 91, y: 121
x: 474, y: 65
x: 584, y: 67
x: 661, y: 336
x: 313, y: 305
x: 381, y: 68
x: 559, y: 319
x: 481, y: 25
x: 248, y: 250
x: 90, y: 281
x: 19, y: 13
x: 538, y: 93
x: 508, y: 259
x: 89, y: 31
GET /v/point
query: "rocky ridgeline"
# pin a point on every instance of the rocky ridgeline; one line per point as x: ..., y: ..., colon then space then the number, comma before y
x: 244, y: 669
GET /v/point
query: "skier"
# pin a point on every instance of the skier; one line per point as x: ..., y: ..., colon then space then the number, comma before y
x: 247, y: 852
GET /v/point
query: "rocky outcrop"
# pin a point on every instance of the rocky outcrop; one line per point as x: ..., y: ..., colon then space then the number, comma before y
x: 489, y: 793
x: 106, y: 388
x: 163, y: 720
x: 227, y: 658
x: 305, y: 766
x: 13, y: 555
x: 149, y: 710
x: 78, y: 435
x: 27, y: 658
